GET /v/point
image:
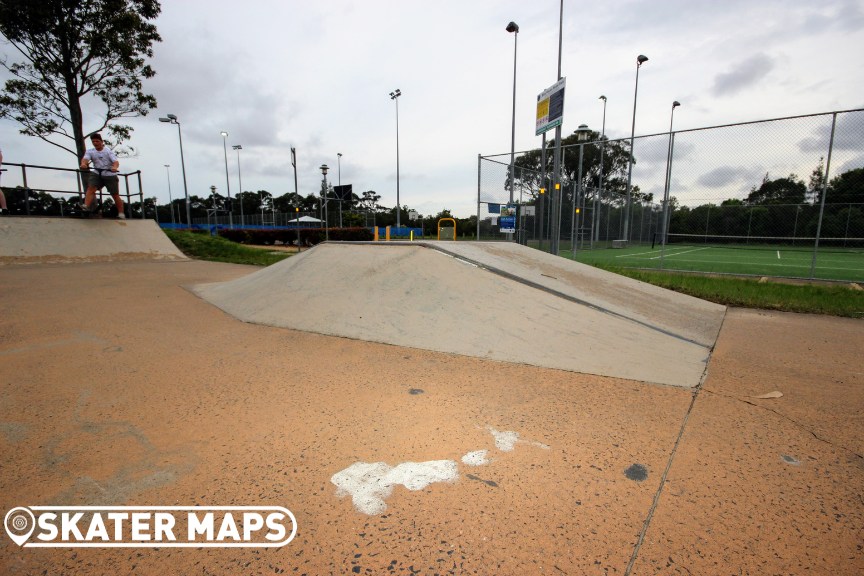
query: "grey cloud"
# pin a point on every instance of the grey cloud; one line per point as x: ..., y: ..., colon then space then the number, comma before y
x: 846, y: 134
x: 726, y: 175
x: 853, y: 164
x: 744, y: 74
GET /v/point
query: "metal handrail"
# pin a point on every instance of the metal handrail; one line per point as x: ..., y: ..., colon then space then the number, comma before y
x: 80, y: 182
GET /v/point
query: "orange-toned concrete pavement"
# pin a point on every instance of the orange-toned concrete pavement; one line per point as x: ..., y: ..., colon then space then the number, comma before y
x: 118, y: 386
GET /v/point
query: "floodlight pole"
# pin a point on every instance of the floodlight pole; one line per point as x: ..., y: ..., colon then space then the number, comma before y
x: 238, y: 147
x: 172, y: 119
x: 626, y: 236
x: 667, y: 182
x: 395, y: 96
x: 170, y: 199
x: 556, y: 164
x: 294, y: 164
x: 598, y: 196
x: 514, y: 28
x: 339, y: 167
x: 227, y: 179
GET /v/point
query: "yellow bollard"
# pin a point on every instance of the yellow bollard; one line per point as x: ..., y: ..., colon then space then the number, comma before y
x: 412, y: 235
x: 387, y: 230
x: 376, y: 234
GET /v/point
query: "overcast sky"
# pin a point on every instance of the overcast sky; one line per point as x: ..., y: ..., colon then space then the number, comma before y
x: 317, y: 76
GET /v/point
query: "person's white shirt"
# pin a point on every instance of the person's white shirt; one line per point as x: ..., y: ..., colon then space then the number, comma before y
x: 103, y: 159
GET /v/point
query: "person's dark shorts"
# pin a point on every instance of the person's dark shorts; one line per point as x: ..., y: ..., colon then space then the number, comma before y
x: 107, y: 179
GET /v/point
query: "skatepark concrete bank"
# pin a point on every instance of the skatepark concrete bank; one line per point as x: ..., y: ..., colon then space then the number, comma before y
x: 488, y: 300
x: 35, y: 240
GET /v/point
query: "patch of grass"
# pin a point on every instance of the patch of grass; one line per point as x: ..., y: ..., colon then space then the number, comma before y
x: 202, y: 246
x: 834, y: 300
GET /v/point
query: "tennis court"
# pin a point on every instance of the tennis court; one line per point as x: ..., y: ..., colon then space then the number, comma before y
x: 781, y: 260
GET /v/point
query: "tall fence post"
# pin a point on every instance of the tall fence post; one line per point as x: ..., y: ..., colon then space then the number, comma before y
x: 128, y: 197
x: 26, y: 188
x: 479, y: 160
x: 824, y: 193
x: 141, y: 195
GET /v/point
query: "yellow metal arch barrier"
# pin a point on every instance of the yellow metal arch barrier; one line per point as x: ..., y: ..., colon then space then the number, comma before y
x: 454, y: 227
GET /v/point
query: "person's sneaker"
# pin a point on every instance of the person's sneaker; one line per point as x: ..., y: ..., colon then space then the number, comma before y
x: 121, y: 216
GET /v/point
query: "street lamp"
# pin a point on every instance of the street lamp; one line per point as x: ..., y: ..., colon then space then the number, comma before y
x: 394, y: 96
x: 170, y: 199
x: 324, y: 168
x: 238, y: 147
x: 599, y: 195
x: 227, y: 182
x: 172, y: 119
x: 514, y: 28
x: 667, y: 184
x: 339, y: 166
x: 641, y: 59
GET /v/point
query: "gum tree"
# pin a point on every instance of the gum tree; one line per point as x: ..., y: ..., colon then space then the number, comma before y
x: 77, y: 57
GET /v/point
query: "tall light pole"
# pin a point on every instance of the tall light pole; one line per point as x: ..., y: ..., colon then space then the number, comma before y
x: 514, y: 28
x: 675, y: 104
x: 238, y: 147
x: 172, y: 119
x: 227, y: 181
x: 324, y: 168
x: 598, y: 197
x: 339, y: 167
x: 294, y: 164
x: 641, y: 59
x: 170, y: 199
x: 395, y: 96
x: 558, y: 193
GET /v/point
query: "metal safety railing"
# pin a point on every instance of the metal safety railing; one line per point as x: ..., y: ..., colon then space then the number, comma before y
x: 33, y: 190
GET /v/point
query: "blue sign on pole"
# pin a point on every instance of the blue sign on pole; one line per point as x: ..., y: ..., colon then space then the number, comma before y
x: 507, y: 220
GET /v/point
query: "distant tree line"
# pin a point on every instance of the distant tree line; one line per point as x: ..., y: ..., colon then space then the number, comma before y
x: 784, y: 207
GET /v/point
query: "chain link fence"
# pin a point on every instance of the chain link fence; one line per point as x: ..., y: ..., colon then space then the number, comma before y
x: 781, y: 197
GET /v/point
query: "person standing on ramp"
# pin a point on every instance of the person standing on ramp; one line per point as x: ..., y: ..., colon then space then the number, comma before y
x: 104, y: 173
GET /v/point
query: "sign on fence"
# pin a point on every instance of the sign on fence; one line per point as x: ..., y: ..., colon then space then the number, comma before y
x: 507, y: 220
x: 550, y: 107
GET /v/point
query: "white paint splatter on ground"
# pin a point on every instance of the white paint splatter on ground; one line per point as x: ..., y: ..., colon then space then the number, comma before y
x: 369, y: 484
x: 506, y: 441
x: 476, y: 458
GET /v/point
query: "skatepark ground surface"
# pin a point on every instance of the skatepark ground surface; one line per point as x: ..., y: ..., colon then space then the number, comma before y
x: 120, y: 386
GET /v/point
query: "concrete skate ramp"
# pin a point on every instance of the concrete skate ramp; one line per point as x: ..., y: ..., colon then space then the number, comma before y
x: 416, y: 295
x: 29, y: 240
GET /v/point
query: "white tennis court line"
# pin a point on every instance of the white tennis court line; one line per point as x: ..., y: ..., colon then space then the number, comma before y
x: 657, y: 257
x: 636, y: 254
x: 678, y: 253
x: 801, y: 265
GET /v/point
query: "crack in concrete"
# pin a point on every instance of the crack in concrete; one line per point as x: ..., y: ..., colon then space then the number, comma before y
x: 792, y: 420
x: 656, y: 500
